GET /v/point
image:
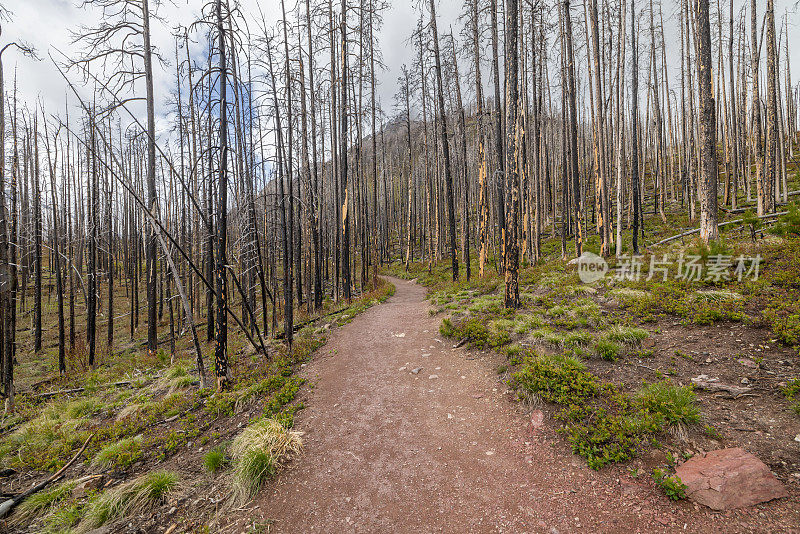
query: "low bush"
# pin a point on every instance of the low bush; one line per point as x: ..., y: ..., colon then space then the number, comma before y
x: 120, y: 454
x: 676, y: 404
x: 602, y: 423
x: 475, y: 332
x: 607, y: 349
x: 672, y: 486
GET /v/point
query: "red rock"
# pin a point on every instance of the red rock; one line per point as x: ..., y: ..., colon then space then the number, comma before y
x: 729, y: 478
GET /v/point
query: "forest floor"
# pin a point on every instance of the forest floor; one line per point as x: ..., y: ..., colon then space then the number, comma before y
x: 158, y: 445
x: 405, y: 432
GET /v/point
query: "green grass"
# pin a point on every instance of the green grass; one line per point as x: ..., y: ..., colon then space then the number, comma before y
x: 525, y: 322
x: 626, y: 334
x: 676, y: 404
x: 258, y: 452
x: 42, y: 503
x: 131, y: 498
x: 121, y: 454
x: 607, y: 349
x: 215, y: 459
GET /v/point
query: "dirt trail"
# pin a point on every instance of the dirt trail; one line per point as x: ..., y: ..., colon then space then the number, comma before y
x: 445, y: 449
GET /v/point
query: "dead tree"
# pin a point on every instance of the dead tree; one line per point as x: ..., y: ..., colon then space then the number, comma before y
x: 709, y: 230
x: 448, y: 176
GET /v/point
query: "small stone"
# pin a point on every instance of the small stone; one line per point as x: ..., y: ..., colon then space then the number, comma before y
x: 745, y: 380
x: 416, y: 370
x: 708, y: 360
x: 747, y: 362
x: 797, y: 438
x: 433, y: 377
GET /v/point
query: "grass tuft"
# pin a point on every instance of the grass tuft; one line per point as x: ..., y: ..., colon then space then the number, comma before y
x: 626, y: 334
x: 42, y: 503
x: 120, y: 454
x: 607, y: 349
x: 215, y: 459
x: 676, y: 404
x: 258, y: 451
x: 131, y: 498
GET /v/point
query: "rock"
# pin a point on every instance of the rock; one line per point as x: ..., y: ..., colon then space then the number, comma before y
x: 87, y: 484
x: 432, y: 377
x: 797, y: 438
x: 747, y: 362
x: 713, y: 385
x: 416, y: 370
x: 729, y: 478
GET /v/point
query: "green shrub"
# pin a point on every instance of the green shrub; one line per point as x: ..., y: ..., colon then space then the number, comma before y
x: 673, y: 487
x: 475, y: 332
x: 676, y: 404
x: 792, y: 389
x: 603, y: 424
x: 562, y: 379
x: 607, y: 349
x: 792, y: 392
x: 788, y: 225
x: 120, y: 454
x: 626, y: 334
x: 602, y: 437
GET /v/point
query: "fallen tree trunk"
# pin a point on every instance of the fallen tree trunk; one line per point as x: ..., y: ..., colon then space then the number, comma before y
x: 9, y: 505
x: 726, y: 223
x: 48, y: 394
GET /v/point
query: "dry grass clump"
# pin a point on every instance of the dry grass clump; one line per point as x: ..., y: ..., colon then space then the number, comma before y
x: 258, y: 453
x: 42, y: 503
x: 132, y: 498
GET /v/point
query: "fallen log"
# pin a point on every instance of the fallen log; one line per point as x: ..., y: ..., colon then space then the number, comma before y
x: 9, y: 505
x: 713, y: 385
x: 48, y: 394
x: 726, y: 223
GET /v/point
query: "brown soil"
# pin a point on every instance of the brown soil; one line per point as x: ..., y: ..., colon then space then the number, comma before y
x: 761, y: 421
x: 449, y: 450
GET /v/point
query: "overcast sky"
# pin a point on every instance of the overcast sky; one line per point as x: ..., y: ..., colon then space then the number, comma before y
x: 46, y: 24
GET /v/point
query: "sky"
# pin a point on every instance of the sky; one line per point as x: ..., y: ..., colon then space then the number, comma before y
x: 48, y: 26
